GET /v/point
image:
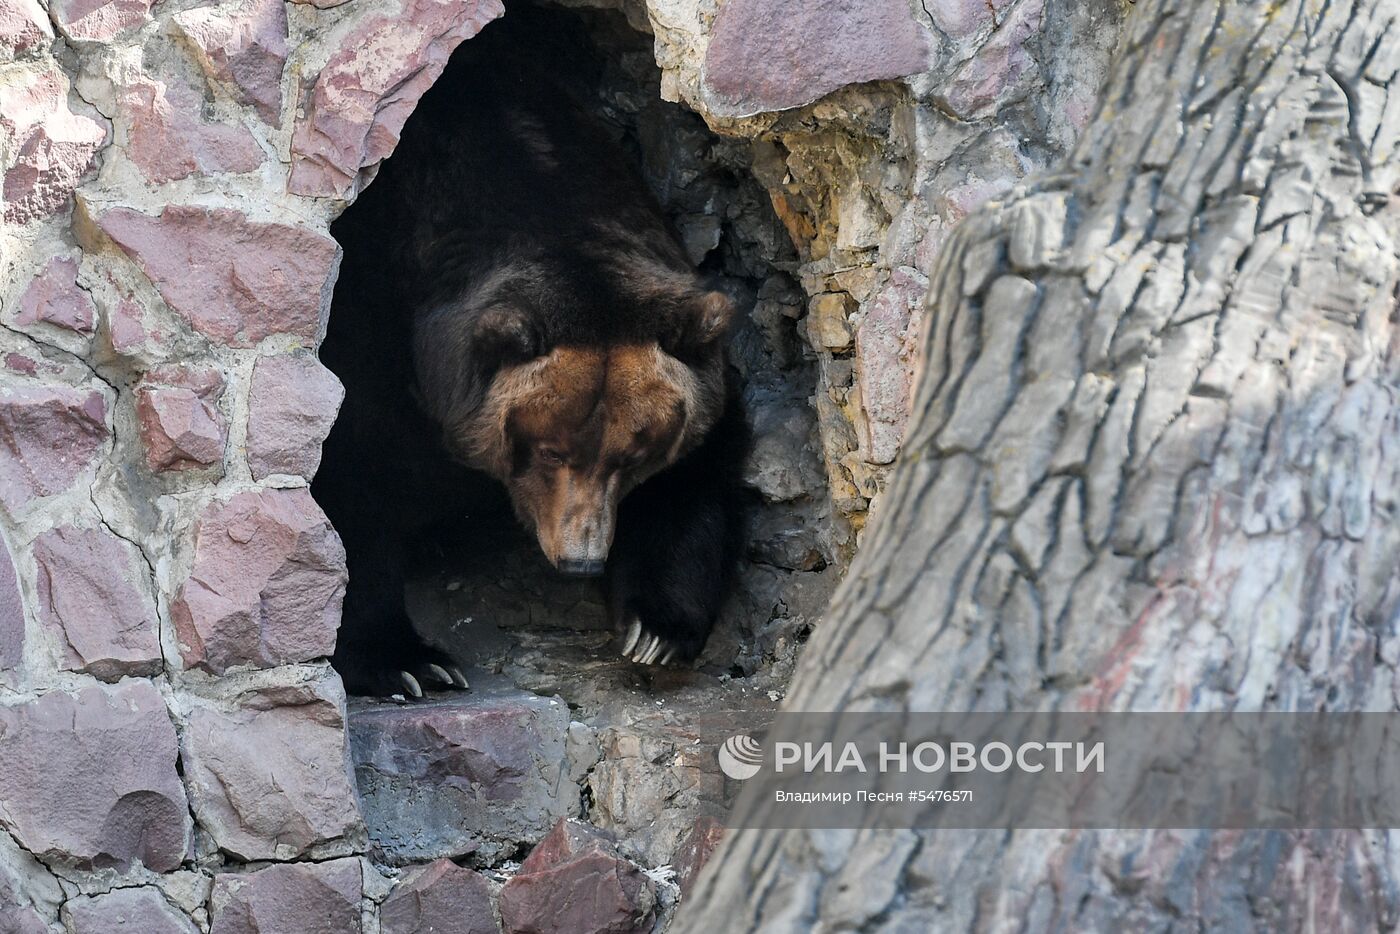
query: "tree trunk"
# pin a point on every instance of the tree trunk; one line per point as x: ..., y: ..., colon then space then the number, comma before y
x: 1154, y: 464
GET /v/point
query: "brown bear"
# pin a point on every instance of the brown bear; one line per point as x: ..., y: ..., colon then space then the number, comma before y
x: 514, y: 303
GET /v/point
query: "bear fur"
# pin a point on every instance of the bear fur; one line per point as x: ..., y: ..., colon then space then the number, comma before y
x: 514, y: 305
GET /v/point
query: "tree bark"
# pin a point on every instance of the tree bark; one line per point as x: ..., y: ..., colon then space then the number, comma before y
x: 1153, y: 464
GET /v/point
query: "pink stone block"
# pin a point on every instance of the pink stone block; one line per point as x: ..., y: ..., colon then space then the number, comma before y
x: 354, y: 112
x: 88, y: 597
x: 99, y: 20
x: 181, y: 425
x: 291, y: 408
x: 270, y: 776
x: 23, y: 26
x: 180, y: 430
x: 54, y: 147
x: 266, y: 585
x: 126, y: 326
x: 233, y: 279
x: 305, y: 898
x: 442, y: 897
x: 575, y: 880
x: 49, y: 435
x: 167, y: 139
x: 242, y: 44
x: 141, y: 910
x: 120, y: 800
x: 767, y: 55
x: 55, y: 298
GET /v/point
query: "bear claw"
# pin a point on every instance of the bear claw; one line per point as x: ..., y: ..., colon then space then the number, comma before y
x: 450, y: 676
x: 646, y: 649
x: 633, y: 635
x: 411, y: 685
x: 652, y: 650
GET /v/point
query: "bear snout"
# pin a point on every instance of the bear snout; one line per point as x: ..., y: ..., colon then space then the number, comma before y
x: 580, y: 548
x: 576, y: 534
x: 584, y: 568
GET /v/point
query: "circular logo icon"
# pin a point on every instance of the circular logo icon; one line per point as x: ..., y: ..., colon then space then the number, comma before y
x: 740, y: 757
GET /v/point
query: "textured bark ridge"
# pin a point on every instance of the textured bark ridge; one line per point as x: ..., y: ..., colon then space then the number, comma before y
x: 1152, y: 466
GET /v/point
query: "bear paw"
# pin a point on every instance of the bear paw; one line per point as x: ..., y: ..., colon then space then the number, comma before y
x: 646, y: 648
x: 410, y: 670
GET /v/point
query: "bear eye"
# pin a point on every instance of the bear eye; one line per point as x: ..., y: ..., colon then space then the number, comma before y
x: 551, y: 456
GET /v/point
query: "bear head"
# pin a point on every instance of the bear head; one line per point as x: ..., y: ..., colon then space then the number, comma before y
x: 571, y: 426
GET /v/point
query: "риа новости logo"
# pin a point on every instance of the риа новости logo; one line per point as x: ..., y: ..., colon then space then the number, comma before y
x: 740, y: 757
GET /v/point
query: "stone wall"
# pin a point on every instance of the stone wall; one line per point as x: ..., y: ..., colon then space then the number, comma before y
x: 173, y: 746
x: 869, y: 178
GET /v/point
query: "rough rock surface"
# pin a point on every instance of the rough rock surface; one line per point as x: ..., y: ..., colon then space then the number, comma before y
x: 994, y: 72
x: 99, y: 20
x: 645, y: 746
x: 657, y: 773
x: 463, y: 775
x: 11, y: 612
x: 127, y: 328
x: 54, y: 147
x: 269, y: 773
x: 266, y: 584
x: 233, y: 279
x: 443, y: 898
x: 695, y: 851
x: 305, y: 898
x: 576, y: 881
x: 358, y: 105
x: 767, y: 55
x: 181, y: 424
x: 169, y: 139
x: 29, y: 894
x: 120, y: 800
x: 140, y: 910
x: 291, y: 407
x: 21, y: 919
x: 55, y: 298
x: 51, y: 434
x: 93, y: 594
x: 243, y: 44
x: 23, y: 26
x: 181, y: 430
x: 884, y: 370
x: 1107, y: 447
x: 828, y: 321
x: 868, y: 180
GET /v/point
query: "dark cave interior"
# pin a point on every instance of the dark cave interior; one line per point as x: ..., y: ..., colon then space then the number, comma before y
x: 478, y: 585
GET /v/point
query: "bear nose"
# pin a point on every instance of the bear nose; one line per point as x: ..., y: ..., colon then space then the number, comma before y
x: 575, y: 568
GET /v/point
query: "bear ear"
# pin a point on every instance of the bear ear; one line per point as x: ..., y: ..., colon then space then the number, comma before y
x: 457, y: 354
x: 504, y: 334
x: 704, y: 320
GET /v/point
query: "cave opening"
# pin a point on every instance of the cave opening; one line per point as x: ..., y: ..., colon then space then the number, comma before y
x: 477, y: 583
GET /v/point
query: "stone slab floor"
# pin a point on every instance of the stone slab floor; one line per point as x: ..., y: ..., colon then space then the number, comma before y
x: 559, y: 740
